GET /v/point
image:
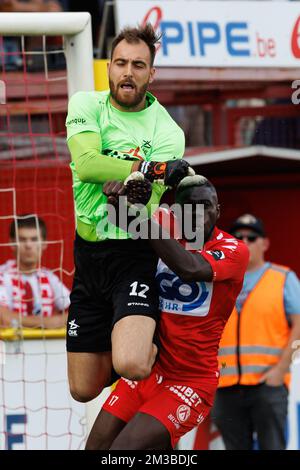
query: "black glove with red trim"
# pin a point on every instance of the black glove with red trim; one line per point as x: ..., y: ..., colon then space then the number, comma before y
x: 169, y: 173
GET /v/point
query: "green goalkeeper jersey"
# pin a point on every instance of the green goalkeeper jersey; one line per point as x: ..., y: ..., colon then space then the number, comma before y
x: 103, y: 142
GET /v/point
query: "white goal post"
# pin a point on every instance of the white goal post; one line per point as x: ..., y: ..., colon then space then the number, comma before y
x: 77, y: 33
x: 35, y: 368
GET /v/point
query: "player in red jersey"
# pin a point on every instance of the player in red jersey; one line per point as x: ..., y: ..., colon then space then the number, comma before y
x: 198, y: 289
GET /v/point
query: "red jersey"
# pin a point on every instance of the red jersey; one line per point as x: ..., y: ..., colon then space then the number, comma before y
x: 194, y: 313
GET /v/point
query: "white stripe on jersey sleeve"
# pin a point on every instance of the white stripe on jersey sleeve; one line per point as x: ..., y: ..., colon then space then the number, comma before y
x: 60, y: 291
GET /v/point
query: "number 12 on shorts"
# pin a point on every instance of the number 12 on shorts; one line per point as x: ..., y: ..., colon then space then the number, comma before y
x: 142, y: 289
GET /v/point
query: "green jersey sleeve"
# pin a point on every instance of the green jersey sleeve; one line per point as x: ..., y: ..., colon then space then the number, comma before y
x: 90, y: 165
x: 83, y: 114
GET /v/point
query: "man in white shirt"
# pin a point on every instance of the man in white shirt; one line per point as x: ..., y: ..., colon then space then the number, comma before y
x: 30, y: 295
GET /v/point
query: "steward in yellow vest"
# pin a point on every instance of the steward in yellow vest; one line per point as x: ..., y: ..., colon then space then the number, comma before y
x: 254, y: 339
x: 256, y: 349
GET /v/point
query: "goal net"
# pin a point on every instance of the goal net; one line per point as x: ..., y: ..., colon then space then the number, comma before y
x: 44, y: 58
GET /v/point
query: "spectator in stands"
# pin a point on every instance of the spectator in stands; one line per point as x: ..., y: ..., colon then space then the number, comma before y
x: 256, y: 348
x: 30, y: 295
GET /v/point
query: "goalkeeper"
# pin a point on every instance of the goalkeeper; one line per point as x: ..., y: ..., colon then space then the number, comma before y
x: 114, y: 299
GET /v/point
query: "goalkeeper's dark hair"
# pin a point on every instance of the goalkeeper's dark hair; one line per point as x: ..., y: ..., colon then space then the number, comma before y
x: 27, y: 221
x: 134, y: 35
x: 191, y: 182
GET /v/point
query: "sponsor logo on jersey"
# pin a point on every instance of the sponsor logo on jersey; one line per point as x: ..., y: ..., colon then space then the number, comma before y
x: 73, y: 328
x: 139, y: 304
x: 200, y: 418
x: 146, y: 147
x: 76, y: 121
x: 159, y: 378
x: 187, y: 394
x: 174, y: 421
x: 216, y: 254
x: 132, y: 154
x: 176, y: 296
x: 132, y: 383
x: 183, y: 413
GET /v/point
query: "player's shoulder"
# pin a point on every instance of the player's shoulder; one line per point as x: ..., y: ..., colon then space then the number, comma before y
x: 167, y: 118
x: 223, y: 240
x: 89, y: 97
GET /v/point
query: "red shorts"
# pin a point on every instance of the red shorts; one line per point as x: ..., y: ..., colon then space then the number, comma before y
x: 178, y: 405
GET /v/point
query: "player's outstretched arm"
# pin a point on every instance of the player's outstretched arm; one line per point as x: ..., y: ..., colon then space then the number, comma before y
x: 137, y: 191
x: 187, y: 265
x: 93, y: 167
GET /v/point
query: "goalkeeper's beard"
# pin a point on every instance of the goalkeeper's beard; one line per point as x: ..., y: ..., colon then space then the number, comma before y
x: 130, y: 102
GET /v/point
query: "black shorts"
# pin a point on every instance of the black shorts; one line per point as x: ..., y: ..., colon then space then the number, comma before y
x: 113, y: 279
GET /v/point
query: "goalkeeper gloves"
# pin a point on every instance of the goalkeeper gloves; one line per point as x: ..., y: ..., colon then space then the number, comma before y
x: 138, y: 192
x: 136, y: 188
x: 169, y: 173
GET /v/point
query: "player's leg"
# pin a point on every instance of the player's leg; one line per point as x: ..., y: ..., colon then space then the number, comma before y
x: 165, y: 415
x: 104, y: 431
x: 89, y: 351
x: 88, y: 326
x: 135, y: 303
x: 143, y: 432
x: 133, y: 351
x: 88, y: 374
x: 119, y: 408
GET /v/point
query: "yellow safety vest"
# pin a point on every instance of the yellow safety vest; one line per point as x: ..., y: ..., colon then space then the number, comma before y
x: 253, y: 340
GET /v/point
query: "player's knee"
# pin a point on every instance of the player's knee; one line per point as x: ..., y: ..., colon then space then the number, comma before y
x: 83, y: 395
x: 132, y: 369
